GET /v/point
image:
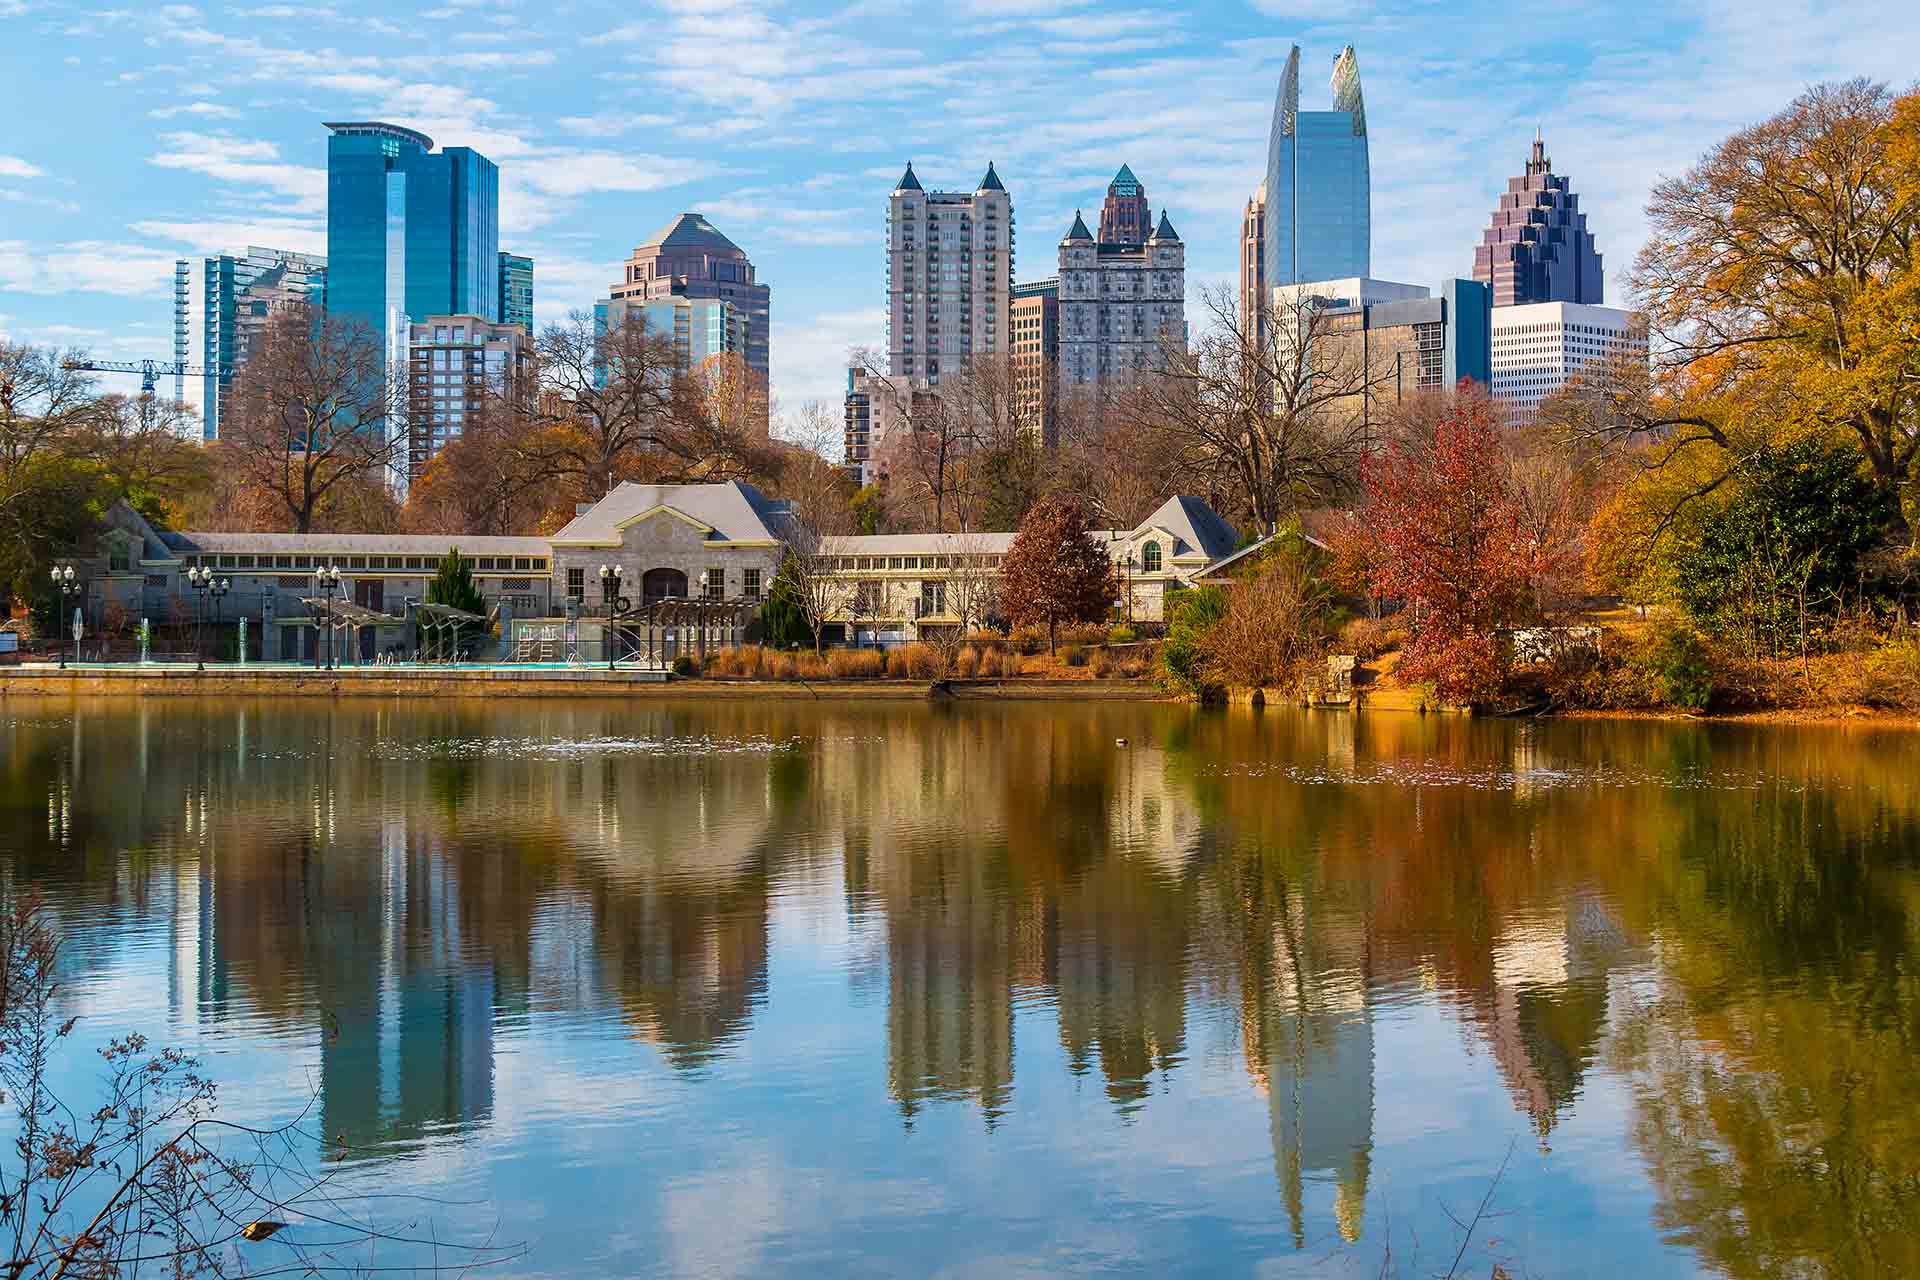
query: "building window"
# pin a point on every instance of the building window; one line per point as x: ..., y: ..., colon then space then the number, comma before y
x: 933, y: 598
x: 117, y: 559
x: 716, y: 583
x: 576, y: 584
x: 1150, y: 558
x: 750, y: 583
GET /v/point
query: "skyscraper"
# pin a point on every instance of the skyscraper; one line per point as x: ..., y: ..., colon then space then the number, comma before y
x: 460, y: 364
x: 220, y: 306
x: 1120, y: 300
x: 516, y: 291
x: 689, y: 258
x: 1318, y: 207
x: 1253, y: 264
x: 949, y: 276
x: 411, y: 232
x: 1035, y: 327
x: 1539, y: 347
x: 1538, y: 248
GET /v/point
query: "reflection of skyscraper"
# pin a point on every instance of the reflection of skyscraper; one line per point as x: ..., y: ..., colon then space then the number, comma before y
x: 1549, y: 1006
x: 1318, y: 221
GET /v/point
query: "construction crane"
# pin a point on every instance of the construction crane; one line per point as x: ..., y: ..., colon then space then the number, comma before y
x: 150, y: 371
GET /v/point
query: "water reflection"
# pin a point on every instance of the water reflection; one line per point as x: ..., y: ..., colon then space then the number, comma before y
x: 1291, y: 921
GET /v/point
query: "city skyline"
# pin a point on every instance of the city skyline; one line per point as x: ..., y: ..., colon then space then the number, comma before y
x: 208, y: 138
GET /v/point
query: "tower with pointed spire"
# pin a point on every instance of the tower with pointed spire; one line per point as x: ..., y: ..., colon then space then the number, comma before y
x: 1537, y: 248
x: 949, y: 276
x: 1122, y: 296
x: 1318, y: 215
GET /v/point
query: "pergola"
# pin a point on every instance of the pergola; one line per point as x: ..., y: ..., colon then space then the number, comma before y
x: 440, y: 627
x: 692, y: 626
x: 348, y: 619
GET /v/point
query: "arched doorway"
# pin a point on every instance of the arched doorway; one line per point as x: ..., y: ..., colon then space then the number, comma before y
x: 662, y: 584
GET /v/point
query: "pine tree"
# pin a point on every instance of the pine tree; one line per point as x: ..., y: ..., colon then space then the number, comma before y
x: 453, y: 585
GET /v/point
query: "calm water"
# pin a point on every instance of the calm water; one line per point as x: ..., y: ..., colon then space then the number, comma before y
x: 794, y: 988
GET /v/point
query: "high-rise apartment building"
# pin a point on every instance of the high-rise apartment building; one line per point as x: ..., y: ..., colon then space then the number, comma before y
x: 1538, y: 247
x: 1253, y: 264
x: 1319, y: 220
x: 1035, y: 326
x: 858, y: 407
x: 516, y: 290
x: 221, y: 305
x: 689, y: 258
x: 949, y: 277
x: 1119, y: 300
x: 457, y: 365
x: 1539, y: 347
x: 411, y: 232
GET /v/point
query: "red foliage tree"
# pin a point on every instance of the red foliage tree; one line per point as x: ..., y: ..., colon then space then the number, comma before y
x: 1056, y: 571
x: 1447, y: 542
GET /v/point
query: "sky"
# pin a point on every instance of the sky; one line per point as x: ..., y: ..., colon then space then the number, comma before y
x: 137, y: 135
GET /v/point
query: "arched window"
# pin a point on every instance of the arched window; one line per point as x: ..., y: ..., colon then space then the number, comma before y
x: 1150, y: 558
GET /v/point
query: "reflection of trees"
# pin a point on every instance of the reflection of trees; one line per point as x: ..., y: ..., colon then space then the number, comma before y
x: 392, y: 886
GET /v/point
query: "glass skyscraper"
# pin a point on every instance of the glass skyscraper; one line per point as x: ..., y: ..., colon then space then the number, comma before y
x: 1318, y: 222
x: 411, y: 232
x: 516, y: 291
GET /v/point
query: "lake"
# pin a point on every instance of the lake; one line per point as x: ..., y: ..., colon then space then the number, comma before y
x: 788, y: 987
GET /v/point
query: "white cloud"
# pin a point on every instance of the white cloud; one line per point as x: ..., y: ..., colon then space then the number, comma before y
x: 85, y: 266
x: 208, y: 110
x: 15, y: 167
x: 809, y: 353
x: 295, y: 235
x: 248, y: 164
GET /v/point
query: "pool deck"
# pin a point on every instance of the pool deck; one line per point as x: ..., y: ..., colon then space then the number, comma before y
x: 36, y: 680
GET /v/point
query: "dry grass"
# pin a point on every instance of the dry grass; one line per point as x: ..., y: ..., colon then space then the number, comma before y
x: 856, y: 664
x: 913, y: 662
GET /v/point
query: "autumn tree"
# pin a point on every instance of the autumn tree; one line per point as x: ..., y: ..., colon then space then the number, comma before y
x: 923, y: 445
x: 315, y: 411
x: 1783, y: 297
x: 1056, y: 570
x: 494, y: 478
x: 1448, y: 545
x: 599, y: 400
x: 1278, y: 620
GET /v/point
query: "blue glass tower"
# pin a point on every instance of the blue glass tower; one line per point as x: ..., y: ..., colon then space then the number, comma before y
x: 414, y: 232
x: 1319, y: 222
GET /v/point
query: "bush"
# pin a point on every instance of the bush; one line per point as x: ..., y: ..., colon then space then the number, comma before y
x: 1073, y: 655
x: 1028, y: 640
x: 777, y: 666
x: 1681, y: 667
x: 683, y: 665
x: 912, y: 662
x: 966, y: 663
x: 997, y: 665
x: 856, y: 664
x: 1368, y: 638
x: 1122, y: 634
x: 1084, y: 635
x: 1190, y: 615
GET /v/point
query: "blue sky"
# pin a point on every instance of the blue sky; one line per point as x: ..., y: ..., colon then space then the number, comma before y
x: 136, y: 135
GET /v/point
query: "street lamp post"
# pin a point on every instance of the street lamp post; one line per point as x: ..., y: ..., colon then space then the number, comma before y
x: 610, y: 595
x: 67, y: 583
x: 216, y: 590
x: 200, y: 579
x: 327, y: 579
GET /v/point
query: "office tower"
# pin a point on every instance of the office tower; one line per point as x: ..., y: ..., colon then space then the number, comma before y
x: 1119, y: 301
x: 1539, y: 347
x: 221, y: 305
x: 516, y: 291
x: 1253, y: 264
x: 411, y: 232
x: 1035, y: 327
x: 701, y: 328
x: 1318, y: 206
x: 457, y: 365
x: 689, y: 258
x: 949, y: 276
x: 1404, y: 338
x: 1538, y: 248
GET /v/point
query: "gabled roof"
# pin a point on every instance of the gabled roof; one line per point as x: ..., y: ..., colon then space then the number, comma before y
x: 910, y: 183
x: 691, y: 231
x: 735, y: 512
x: 1079, y: 231
x: 1227, y: 566
x: 1194, y: 523
x: 1125, y: 183
x: 992, y: 181
x: 1165, y: 230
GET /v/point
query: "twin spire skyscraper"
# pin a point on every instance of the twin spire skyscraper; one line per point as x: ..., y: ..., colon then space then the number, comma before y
x: 1318, y: 217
